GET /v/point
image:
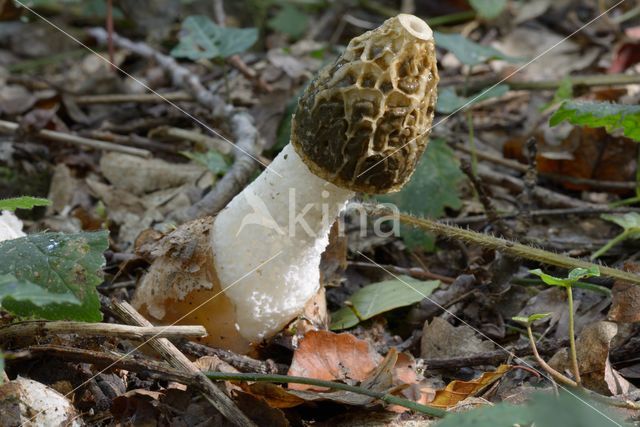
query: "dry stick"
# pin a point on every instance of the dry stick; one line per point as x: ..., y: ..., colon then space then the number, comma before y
x: 247, y: 139
x: 517, y: 250
x: 516, y: 185
x: 590, y: 80
x: 40, y: 328
x: 171, y: 354
x: 139, y: 98
x: 239, y: 361
x: 512, y: 164
x: 543, y: 212
x: 78, y: 140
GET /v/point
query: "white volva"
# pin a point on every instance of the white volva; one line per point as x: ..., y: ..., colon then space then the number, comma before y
x: 289, y: 215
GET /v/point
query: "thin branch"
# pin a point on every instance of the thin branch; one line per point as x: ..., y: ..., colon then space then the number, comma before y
x: 52, y: 135
x: 171, y: 354
x: 139, y: 98
x: 41, y: 328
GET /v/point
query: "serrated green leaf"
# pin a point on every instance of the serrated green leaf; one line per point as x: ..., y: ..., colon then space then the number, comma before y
x: 212, y: 160
x: 449, y: 101
x: 22, y: 290
x: 201, y: 38
x: 290, y: 20
x: 381, y: 297
x: 488, y: 9
x: 567, y: 410
x: 59, y: 263
x: 468, y: 52
x: 24, y: 202
x: 532, y: 318
x: 612, y: 117
x: 432, y: 188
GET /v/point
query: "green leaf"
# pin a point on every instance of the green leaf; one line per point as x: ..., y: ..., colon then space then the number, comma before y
x: 24, y: 202
x: 631, y: 224
x: 468, y: 52
x: 212, y: 160
x: 567, y: 410
x: 201, y: 38
x: 433, y: 187
x: 381, y: 297
x: 574, y: 275
x: 290, y: 20
x: 61, y: 264
x: 532, y: 318
x: 488, y: 9
x: 449, y: 101
x: 630, y: 221
x: 564, y: 92
x: 22, y: 290
x: 612, y: 117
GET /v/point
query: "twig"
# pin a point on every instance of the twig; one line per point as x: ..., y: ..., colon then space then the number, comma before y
x: 171, y: 354
x: 478, y: 84
x: 285, y: 379
x: 143, y: 366
x: 139, y: 98
x: 510, y: 248
x: 415, y: 272
x: 543, y: 212
x: 239, y: 361
x: 40, y: 328
x: 548, y: 197
x: 201, y: 139
x: 247, y: 140
x: 512, y: 164
x: 488, y: 358
x: 77, y: 140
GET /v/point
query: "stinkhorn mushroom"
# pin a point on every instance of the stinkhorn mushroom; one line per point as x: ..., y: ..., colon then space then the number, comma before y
x: 361, y: 126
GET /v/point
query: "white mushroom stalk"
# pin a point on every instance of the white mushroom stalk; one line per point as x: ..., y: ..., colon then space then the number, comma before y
x: 361, y: 126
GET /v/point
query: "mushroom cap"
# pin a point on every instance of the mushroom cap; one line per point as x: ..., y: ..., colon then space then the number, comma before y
x: 364, y: 121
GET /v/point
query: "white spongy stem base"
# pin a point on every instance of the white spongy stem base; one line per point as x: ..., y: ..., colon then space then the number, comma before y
x: 289, y: 216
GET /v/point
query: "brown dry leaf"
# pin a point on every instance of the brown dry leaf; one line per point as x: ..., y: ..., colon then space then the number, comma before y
x: 380, y: 379
x: 141, y: 405
x: 259, y: 410
x: 140, y: 176
x: 15, y: 99
x: 592, y: 348
x: 329, y: 356
x: 441, y: 339
x: 457, y: 391
x: 625, y: 305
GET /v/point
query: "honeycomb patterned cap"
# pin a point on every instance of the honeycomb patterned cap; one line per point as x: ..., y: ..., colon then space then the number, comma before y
x: 363, y: 122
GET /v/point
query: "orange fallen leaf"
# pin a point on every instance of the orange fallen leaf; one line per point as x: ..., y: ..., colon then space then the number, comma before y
x: 625, y: 304
x: 456, y: 391
x: 329, y: 356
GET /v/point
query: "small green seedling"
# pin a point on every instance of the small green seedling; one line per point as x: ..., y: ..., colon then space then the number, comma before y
x: 568, y: 282
x: 528, y: 321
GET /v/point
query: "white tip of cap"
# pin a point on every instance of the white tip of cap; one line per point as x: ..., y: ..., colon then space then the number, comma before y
x: 416, y: 26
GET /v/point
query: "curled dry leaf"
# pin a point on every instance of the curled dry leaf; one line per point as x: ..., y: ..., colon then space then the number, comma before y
x: 328, y: 356
x: 625, y: 306
x: 592, y: 348
x: 457, y: 391
x: 380, y: 379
